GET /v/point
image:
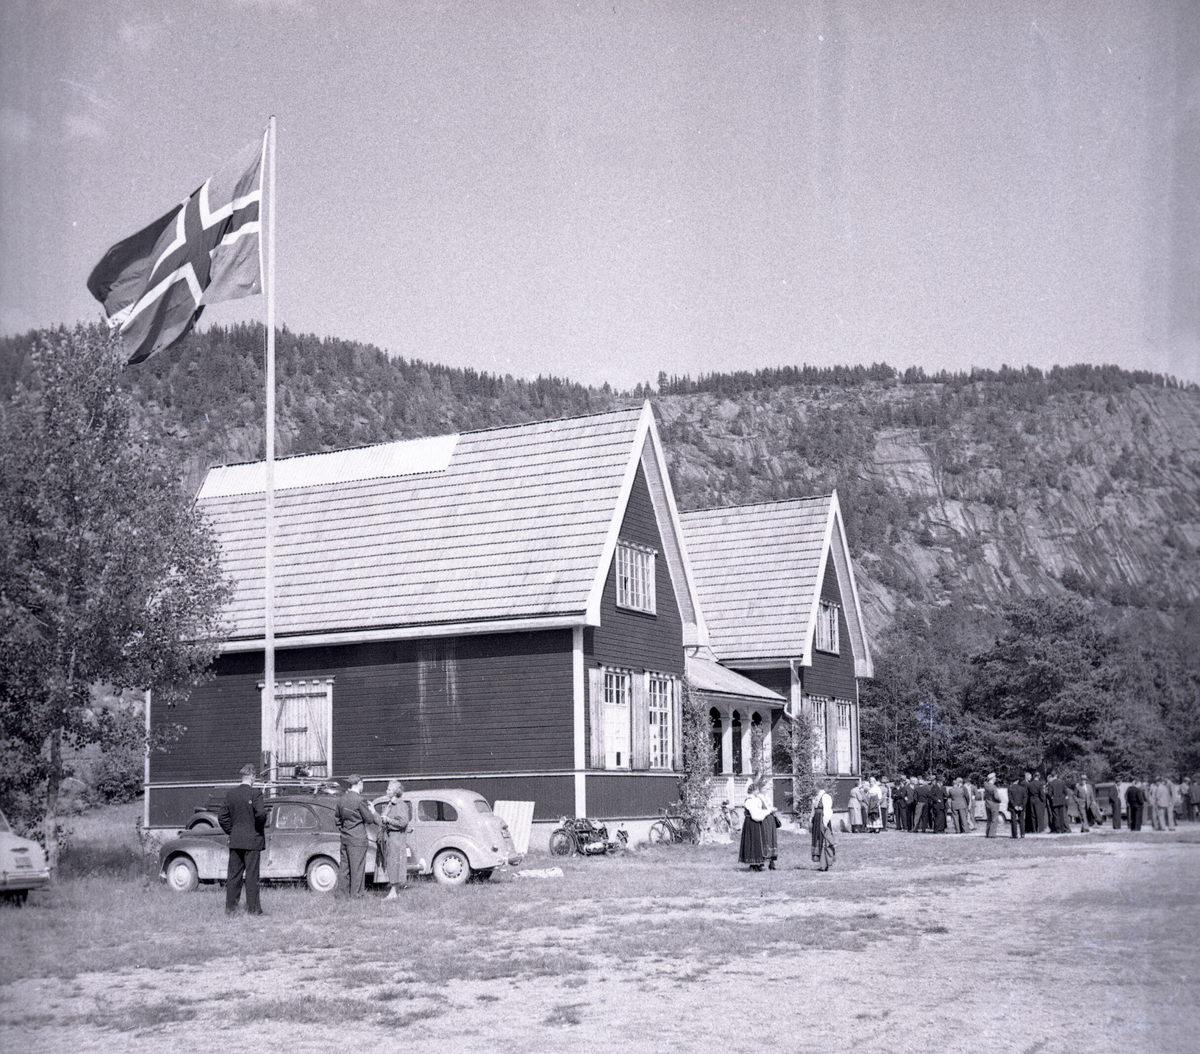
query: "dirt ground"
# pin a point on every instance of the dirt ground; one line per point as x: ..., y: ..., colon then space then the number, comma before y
x: 911, y: 944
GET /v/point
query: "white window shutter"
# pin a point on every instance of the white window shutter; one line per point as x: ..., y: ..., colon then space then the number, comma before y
x: 640, y: 721
x: 596, y: 713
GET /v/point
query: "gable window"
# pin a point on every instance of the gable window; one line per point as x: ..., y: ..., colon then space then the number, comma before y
x: 827, y: 628
x: 635, y: 577
x: 660, y: 722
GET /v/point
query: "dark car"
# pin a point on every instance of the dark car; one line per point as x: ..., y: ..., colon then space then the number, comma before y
x: 454, y: 835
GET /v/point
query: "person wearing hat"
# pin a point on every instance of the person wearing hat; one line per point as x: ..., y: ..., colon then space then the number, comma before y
x: 395, y: 816
x: 354, y: 817
x: 243, y: 817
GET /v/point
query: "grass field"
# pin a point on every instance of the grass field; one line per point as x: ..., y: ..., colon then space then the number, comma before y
x: 911, y: 944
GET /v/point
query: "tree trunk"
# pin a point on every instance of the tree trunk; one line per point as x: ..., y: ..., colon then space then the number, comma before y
x: 53, y: 782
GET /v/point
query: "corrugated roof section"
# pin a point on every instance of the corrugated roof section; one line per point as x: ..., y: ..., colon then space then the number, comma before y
x: 755, y: 568
x: 405, y: 458
x: 512, y: 527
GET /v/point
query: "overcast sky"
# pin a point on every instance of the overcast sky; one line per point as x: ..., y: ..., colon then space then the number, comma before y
x: 604, y: 191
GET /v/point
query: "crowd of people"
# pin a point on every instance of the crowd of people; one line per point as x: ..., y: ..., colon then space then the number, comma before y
x: 1032, y: 802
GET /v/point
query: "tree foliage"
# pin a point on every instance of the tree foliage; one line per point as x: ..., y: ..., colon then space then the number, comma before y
x: 107, y: 571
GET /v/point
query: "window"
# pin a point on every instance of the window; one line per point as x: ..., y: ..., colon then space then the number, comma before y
x: 635, y: 577
x: 660, y: 722
x: 843, y: 738
x: 714, y: 717
x: 827, y: 628
x: 616, y: 719
x: 436, y: 811
x: 292, y: 817
x: 303, y: 727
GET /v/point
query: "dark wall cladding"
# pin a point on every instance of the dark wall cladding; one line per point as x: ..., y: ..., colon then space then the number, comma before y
x: 621, y: 797
x: 171, y: 806
x: 778, y: 679
x: 832, y: 675
x: 498, y: 702
x: 221, y: 722
x: 631, y: 638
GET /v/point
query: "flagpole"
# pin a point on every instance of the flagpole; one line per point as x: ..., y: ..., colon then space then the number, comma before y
x: 268, y: 704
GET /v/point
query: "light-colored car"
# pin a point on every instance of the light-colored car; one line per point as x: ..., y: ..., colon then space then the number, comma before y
x: 22, y: 864
x: 454, y: 835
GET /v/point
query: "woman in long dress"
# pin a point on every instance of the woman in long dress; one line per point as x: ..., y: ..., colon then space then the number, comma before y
x: 752, y: 851
x: 396, y: 815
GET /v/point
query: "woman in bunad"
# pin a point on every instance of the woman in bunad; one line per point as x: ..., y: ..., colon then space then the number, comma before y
x: 751, y: 850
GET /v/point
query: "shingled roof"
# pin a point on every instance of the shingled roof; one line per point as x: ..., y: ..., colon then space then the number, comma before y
x: 758, y: 571
x: 505, y: 529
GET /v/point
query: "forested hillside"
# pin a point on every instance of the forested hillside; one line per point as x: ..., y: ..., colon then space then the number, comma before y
x: 964, y: 495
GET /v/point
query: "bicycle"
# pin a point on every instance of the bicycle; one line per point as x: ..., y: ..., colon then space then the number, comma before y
x: 728, y: 818
x: 674, y: 828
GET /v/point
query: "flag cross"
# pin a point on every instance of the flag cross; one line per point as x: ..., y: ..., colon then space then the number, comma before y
x: 154, y: 284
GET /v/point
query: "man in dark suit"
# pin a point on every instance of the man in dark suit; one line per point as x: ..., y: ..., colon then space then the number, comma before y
x: 243, y: 817
x: 937, y: 805
x: 910, y: 804
x: 354, y: 816
x: 923, y: 815
x: 1037, y: 803
x: 1135, y: 801
x: 1018, y: 802
x: 1056, y: 797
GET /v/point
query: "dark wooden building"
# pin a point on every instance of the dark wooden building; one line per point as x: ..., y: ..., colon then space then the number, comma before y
x: 776, y: 584
x: 506, y: 610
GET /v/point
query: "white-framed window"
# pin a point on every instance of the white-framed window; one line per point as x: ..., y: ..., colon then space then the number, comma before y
x: 843, y: 738
x: 818, y: 704
x: 617, y: 692
x: 660, y: 721
x: 635, y: 577
x: 303, y: 738
x: 827, y: 628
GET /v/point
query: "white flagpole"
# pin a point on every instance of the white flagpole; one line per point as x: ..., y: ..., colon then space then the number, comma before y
x: 268, y: 704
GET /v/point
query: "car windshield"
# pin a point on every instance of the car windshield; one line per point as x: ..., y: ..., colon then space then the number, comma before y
x: 4, y: 828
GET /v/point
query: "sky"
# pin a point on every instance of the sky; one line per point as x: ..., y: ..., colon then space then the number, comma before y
x: 607, y: 191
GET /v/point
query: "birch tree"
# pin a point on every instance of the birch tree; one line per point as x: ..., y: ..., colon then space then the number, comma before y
x: 107, y: 570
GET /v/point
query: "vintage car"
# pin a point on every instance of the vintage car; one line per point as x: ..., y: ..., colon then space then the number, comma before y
x: 453, y: 836
x: 206, y: 815
x: 22, y: 865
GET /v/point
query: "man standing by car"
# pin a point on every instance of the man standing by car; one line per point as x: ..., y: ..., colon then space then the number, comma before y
x: 243, y: 816
x: 354, y: 816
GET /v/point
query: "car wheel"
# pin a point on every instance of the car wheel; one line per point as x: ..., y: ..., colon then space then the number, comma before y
x: 322, y: 875
x: 451, y: 867
x: 660, y: 833
x: 181, y: 874
x: 561, y: 843
x: 202, y: 824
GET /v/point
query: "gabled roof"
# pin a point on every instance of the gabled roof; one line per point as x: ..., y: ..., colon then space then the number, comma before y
x: 758, y: 572
x: 510, y: 528
x: 710, y: 676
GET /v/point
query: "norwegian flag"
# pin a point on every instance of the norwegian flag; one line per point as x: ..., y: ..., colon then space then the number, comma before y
x: 155, y: 283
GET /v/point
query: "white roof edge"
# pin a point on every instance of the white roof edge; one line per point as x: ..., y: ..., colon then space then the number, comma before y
x: 596, y: 593
x: 695, y: 630
x: 864, y: 666
x: 446, y: 629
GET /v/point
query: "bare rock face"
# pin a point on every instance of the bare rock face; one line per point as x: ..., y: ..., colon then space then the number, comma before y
x: 975, y: 492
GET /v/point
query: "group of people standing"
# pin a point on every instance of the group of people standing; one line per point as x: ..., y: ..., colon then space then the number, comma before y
x: 243, y: 816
